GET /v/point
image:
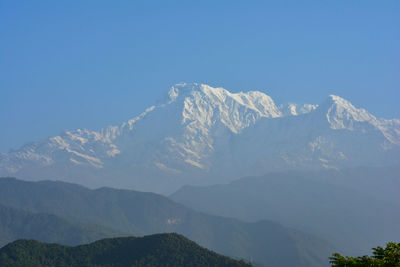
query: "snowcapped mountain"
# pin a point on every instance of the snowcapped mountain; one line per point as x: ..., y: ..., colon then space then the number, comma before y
x: 201, y: 134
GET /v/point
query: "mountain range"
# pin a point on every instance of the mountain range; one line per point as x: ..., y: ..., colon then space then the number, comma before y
x: 354, y: 209
x: 199, y: 135
x: 139, y: 213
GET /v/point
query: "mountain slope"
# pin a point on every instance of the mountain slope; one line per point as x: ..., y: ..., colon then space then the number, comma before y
x: 198, y: 134
x: 354, y: 209
x: 16, y: 224
x: 335, y: 135
x: 155, y: 250
x: 147, y: 213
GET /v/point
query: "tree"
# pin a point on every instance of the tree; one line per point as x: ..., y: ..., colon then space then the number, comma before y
x: 382, y: 257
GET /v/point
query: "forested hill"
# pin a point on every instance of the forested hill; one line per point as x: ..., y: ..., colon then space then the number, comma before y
x: 153, y: 250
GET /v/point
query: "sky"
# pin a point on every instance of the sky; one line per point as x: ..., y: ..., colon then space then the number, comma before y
x: 90, y: 64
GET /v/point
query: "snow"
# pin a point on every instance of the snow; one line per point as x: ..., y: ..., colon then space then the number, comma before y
x: 343, y: 115
x: 196, y: 126
x: 292, y: 109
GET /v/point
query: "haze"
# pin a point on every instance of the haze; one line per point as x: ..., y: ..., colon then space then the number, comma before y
x: 237, y: 133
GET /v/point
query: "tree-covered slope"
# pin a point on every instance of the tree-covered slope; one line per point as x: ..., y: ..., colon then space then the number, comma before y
x: 16, y: 224
x: 154, y: 250
x: 141, y: 213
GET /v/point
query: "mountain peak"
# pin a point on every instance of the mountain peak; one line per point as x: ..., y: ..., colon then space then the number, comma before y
x: 180, y: 89
x: 342, y: 114
x: 336, y: 98
x: 216, y: 96
x: 183, y: 90
x: 200, y: 130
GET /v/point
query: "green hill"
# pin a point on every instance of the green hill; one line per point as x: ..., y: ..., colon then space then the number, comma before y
x: 16, y: 224
x: 154, y: 250
x: 139, y: 213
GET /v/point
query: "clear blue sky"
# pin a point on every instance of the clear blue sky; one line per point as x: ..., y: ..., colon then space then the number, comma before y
x: 89, y: 64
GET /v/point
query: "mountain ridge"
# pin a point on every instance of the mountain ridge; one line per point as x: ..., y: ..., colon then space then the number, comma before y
x: 354, y: 208
x: 191, y: 132
x: 141, y: 213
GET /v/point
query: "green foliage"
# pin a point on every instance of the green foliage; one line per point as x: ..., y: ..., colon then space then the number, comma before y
x: 155, y: 250
x: 382, y: 257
